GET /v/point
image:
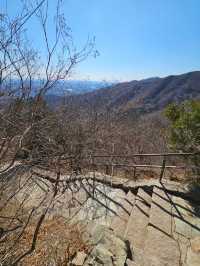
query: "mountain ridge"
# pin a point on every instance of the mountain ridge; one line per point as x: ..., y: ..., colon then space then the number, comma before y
x: 142, y: 96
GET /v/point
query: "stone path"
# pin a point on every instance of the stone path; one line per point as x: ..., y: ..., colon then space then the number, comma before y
x: 159, y: 229
x: 137, y: 225
x: 142, y: 223
x: 120, y: 222
x: 160, y: 247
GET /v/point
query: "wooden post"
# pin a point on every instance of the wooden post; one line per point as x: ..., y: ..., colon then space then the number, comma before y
x: 163, y: 168
x: 134, y: 172
x: 93, y: 175
x: 112, y: 166
x: 107, y: 169
x: 112, y: 170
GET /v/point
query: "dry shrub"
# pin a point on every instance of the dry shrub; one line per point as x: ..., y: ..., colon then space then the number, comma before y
x: 58, y: 242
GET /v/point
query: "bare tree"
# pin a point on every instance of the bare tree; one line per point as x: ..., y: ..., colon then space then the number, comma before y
x: 29, y: 136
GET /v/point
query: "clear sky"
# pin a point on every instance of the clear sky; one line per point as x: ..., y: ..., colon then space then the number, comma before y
x: 135, y: 38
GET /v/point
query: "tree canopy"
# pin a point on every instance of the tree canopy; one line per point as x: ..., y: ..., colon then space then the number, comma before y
x: 185, y: 125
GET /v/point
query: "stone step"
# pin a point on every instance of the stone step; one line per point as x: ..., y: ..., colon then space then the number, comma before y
x: 124, y: 210
x: 136, y: 231
x: 187, y: 230
x: 104, y: 207
x: 186, y: 217
x: 160, y: 246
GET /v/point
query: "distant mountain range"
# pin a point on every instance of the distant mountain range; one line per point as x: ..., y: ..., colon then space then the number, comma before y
x: 64, y: 87
x: 142, y: 96
x: 69, y: 87
x: 126, y: 99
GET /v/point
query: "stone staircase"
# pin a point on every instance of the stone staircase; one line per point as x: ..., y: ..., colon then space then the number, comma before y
x: 147, y: 220
x: 144, y: 223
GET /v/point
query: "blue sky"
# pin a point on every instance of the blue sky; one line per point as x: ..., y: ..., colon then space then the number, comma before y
x: 135, y: 38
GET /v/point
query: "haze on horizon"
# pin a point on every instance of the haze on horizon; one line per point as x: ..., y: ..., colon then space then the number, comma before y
x: 136, y: 39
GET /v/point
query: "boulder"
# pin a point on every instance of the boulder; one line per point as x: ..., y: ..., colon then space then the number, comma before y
x: 108, y: 250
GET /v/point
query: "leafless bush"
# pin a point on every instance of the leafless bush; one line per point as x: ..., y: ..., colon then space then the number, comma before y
x: 31, y: 134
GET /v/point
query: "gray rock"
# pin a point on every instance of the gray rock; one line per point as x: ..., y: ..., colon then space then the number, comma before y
x: 109, y: 249
x: 79, y: 259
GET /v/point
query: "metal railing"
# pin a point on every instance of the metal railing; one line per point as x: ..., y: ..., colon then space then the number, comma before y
x: 96, y: 160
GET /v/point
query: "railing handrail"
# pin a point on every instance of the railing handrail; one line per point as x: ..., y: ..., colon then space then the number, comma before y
x: 135, y: 166
x: 136, y: 155
x: 149, y: 166
x: 149, y: 154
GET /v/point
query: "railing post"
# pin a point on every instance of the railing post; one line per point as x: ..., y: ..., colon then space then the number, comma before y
x: 94, y: 176
x: 112, y: 170
x: 163, y: 168
x: 112, y: 166
x: 134, y: 172
x: 107, y: 169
